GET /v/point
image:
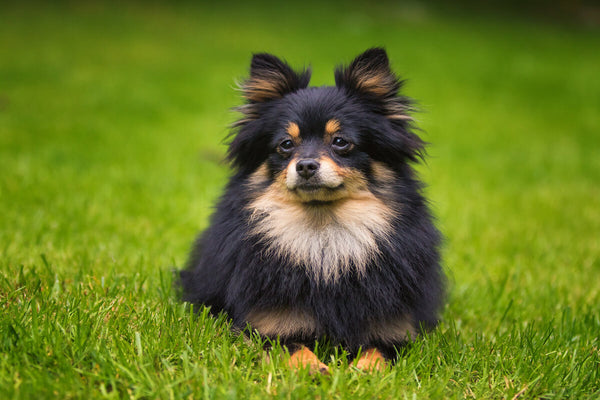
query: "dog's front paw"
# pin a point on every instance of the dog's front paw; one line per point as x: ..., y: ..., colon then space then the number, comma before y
x: 371, y: 360
x: 303, y: 358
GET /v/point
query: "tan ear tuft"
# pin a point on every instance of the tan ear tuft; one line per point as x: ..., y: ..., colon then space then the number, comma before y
x: 270, y: 78
x: 369, y: 75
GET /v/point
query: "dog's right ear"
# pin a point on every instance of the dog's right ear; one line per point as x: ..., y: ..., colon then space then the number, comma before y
x: 270, y: 78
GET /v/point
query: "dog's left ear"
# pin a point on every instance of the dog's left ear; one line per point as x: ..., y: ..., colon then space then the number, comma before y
x: 371, y: 77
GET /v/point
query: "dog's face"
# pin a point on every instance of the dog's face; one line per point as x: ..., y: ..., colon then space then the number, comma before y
x: 323, y: 144
x: 316, y: 154
x: 322, y: 166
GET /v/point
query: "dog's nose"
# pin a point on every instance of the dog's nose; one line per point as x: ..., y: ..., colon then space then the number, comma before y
x: 307, y: 167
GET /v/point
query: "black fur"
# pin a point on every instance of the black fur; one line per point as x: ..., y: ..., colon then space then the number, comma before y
x: 231, y: 269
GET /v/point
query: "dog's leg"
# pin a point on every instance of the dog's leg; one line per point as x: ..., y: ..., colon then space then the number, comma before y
x: 304, y: 358
x: 371, y: 360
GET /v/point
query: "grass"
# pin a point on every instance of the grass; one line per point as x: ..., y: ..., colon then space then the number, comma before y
x: 111, y: 125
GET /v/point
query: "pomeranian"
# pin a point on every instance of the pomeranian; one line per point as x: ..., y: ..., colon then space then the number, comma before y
x: 323, y: 231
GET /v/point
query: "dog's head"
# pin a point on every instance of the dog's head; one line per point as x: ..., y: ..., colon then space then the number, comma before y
x: 323, y: 144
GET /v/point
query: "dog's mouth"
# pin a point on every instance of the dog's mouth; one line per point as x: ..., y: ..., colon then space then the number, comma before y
x: 312, y: 188
x: 318, y: 195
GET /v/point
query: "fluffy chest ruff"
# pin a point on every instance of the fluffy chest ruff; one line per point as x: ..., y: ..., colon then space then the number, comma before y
x: 327, y: 239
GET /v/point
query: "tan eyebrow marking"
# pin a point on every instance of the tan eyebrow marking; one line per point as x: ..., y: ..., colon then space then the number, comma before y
x: 332, y: 126
x: 293, y: 130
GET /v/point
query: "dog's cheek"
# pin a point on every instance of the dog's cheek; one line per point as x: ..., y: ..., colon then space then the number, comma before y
x: 330, y: 174
x: 289, y: 175
x: 260, y: 176
x: 354, y: 180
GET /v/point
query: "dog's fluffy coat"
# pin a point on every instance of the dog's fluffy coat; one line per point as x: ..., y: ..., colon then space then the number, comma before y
x: 322, y: 230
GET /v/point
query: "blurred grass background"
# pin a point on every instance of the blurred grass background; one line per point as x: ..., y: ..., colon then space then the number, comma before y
x: 112, y: 117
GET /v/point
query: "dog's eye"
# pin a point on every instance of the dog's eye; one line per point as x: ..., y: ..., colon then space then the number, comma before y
x: 286, y: 145
x: 340, y: 144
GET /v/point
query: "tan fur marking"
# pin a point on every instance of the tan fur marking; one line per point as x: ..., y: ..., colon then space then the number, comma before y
x: 379, y: 83
x: 331, y: 128
x: 398, y: 111
x: 283, y: 323
x: 393, y: 331
x: 400, y: 116
x: 306, y: 359
x: 382, y: 173
x: 288, y: 173
x: 330, y: 174
x: 263, y: 88
x: 371, y: 360
x: 374, y: 83
x: 327, y: 240
x: 293, y: 130
x: 259, y: 176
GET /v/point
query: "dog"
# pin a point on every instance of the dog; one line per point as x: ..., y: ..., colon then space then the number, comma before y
x: 323, y: 230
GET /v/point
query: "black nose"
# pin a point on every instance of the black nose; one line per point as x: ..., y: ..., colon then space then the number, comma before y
x: 307, y: 167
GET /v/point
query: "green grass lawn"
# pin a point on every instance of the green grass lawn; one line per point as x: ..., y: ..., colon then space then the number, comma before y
x: 111, y: 126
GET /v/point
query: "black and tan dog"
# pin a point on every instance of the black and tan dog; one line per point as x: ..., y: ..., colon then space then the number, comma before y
x: 322, y: 231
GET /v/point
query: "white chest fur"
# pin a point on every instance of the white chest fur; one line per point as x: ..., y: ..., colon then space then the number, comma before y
x: 327, y: 240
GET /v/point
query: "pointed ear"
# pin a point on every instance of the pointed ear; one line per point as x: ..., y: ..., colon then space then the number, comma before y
x: 371, y: 77
x: 270, y: 78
